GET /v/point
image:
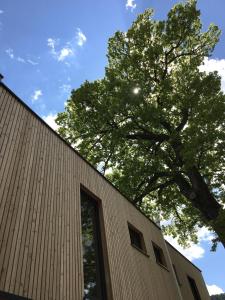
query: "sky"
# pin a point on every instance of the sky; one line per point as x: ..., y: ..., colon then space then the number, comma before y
x: 48, y: 47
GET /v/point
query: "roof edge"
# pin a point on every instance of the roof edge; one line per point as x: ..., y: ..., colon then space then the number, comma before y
x: 77, y: 153
x: 63, y: 140
x: 183, y: 256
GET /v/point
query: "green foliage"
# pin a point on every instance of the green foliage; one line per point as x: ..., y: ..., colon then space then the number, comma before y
x: 218, y: 297
x: 155, y: 119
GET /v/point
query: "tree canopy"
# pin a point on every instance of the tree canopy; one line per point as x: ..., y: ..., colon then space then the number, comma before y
x: 218, y: 297
x: 155, y: 124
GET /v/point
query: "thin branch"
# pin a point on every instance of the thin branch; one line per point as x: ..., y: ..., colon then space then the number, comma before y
x: 200, y: 156
x: 107, y: 162
x: 178, y: 215
x: 150, y: 188
x: 149, y: 136
x: 192, y: 52
x: 166, y: 125
x: 167, y: 55
x: 162, y: 186
x: 185, y: 115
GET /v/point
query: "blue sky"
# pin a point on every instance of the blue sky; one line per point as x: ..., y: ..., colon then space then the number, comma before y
x: 49, y: 47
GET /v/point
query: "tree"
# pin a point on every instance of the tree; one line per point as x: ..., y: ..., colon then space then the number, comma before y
x: 157, y: 122
x: 218, y: 297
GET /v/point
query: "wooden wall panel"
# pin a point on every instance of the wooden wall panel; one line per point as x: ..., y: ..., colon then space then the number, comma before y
x: 40, y: 233
x: 185, y: 268
x: 40, y: 238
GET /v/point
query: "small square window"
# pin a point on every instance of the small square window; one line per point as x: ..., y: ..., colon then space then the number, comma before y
x: 159, y: 255
x: 136, y: 238
x: 194, y: 288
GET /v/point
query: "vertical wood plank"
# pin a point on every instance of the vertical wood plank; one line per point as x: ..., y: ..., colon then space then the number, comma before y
x: 40, y: 220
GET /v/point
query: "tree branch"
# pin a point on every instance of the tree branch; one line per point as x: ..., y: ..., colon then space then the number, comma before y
x: 166, y: 125
x: 150, y: 188
x: 167, y: 55
x: 185, y: 115
x: 149, y: 136
x: 178, y: 215
x: 107, y: 162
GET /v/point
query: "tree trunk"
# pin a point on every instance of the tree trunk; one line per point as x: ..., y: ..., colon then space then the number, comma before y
x: 201, y: 198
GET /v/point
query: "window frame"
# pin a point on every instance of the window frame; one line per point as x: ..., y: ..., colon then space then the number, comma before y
x: 158, y: 250
x: 140, y: 234
x: 104, y: 265
x: 194, y: 288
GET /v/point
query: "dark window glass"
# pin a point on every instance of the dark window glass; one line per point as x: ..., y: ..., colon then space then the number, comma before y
x: 7, y: 296
x: 159, y: 255
x: 94, y: 277
x: 194, y: 288
x: 136, y: 238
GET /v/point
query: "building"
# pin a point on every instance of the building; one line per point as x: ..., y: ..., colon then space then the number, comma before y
x: 52, y: 201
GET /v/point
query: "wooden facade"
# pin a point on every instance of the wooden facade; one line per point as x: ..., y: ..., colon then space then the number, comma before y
x: 41, y: 177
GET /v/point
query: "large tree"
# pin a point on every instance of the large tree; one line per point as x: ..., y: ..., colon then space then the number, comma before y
x: 157, y: 122
x: 218, y: 297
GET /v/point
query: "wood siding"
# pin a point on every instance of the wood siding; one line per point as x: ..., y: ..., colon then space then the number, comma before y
x: 185, y: 268
x: 40, y: 226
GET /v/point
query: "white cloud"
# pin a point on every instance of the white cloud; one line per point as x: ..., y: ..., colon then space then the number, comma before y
x: 67, y: 64
x: 214, y: 289
x: 64, y: 52
x: 10, y: 53
x: 215, y: 65
x: 36, y: 95
x: 20, y: 59
x: 194, y: 251
x: 204, y: 235
x: 51, y: 44
x: 33, y: 63
x: 80, y: 37
x: 131, y: 4
x: 50, y: 120
x: 65, y: 88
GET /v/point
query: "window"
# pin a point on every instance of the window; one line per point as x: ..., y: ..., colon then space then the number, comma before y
x: 194, y: 288
x: 175, y: 271
x: 93, y: 265
x: 136, y: 238
x: 7, y: 296
x: 159, y: 255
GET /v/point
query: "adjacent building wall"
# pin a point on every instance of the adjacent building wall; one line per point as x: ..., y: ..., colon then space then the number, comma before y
x: 40, y: 226
x: 185, y: 268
